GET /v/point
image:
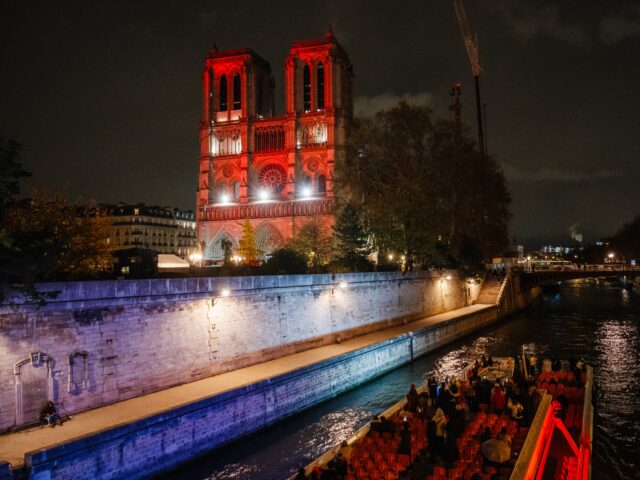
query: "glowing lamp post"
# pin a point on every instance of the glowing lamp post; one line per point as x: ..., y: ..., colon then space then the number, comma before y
x: 196, y: 259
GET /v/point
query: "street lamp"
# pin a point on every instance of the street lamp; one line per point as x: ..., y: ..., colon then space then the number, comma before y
x: 263, y: 194
x: 195, y: 258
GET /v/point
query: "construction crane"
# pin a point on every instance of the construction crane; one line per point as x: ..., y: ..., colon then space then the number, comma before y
x: 471, y: 44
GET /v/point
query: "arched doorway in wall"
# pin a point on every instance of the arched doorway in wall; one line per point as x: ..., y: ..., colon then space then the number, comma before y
x: 268, y: 239
x: 215, y: 251
x: 34, y: 386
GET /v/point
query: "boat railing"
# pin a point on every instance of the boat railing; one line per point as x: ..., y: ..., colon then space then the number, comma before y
x: 530, y: 455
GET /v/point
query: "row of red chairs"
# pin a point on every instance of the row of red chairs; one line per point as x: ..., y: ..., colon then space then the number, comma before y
x: 573, y: 394
x: 561, y: 376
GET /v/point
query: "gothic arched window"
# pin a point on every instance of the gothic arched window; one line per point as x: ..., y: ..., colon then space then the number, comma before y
x: 236, y: 92
x: 321, y: 184
x: 211, y: 111
x: 223, y: 93
x: 320, y: 84
x: 306, y: 88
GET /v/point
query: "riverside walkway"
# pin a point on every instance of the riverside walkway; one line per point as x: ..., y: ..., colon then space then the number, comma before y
x: 14, y: 446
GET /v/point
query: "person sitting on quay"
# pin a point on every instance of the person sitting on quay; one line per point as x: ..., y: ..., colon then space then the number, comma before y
x: 49, y: 415
x: 300, y: 475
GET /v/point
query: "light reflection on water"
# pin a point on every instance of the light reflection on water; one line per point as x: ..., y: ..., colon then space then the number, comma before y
x: 593, y: 319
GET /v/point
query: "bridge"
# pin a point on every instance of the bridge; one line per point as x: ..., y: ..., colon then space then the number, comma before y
x: 530, y: 278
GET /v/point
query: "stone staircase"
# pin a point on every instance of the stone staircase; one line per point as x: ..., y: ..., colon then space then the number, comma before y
x: 490, y: 291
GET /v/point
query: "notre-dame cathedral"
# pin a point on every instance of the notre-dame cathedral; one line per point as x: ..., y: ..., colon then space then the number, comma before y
x: 276, y: 171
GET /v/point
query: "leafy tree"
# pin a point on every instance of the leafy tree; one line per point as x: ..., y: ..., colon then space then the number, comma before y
x: 55, y: 240
x: 423, y: 188
x: 352, y: 240
x: 285, y: 261
x: 313, y: 242
x: 247, y: 246
x: 627, y: 241
x: 11, y: 171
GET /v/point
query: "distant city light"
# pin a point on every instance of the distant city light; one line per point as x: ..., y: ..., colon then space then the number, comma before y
x: 224, y: 198
x: 263, y: 194
x: 611, y: 255
x: 306, y: 191
x: 390, y: 257
x: 448, y: 277
x: 225, y: 292
x: 343, y: 284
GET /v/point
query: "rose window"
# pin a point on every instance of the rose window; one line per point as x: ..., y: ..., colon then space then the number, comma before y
x: 273, y: 177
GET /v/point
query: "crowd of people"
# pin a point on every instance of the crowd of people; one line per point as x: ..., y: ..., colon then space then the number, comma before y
x: 453, y: 413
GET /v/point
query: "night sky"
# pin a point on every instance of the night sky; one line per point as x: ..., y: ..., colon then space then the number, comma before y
x: 106, y: 96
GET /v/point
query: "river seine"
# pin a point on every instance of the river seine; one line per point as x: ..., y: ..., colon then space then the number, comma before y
x: 594, y: 319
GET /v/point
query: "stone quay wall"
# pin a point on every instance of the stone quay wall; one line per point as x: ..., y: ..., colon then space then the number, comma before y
x: 181, y: 434
x: 98, y: 343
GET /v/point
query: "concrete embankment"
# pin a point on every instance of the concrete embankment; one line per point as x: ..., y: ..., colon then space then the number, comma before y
x: 142, y: 436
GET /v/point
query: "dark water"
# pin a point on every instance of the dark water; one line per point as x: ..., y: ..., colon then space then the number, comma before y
x: 596, y: 320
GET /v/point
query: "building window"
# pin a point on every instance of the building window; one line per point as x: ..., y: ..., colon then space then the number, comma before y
x: 78, y: 371
x: 236, y: 92
x: 321, y: 184
x: 211, y: 97
x: 320, y: 83
x: 306, y: 88
x: 223, y: 93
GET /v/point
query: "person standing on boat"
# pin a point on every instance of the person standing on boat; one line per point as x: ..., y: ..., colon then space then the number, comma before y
x: 497, y: 399
x: 404, y: 448
x: 412, y: 399
x: 441, y: 422
x: 433, y: 388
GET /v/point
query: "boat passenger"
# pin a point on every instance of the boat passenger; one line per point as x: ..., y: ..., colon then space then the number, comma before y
x: 483, y: 361
x: 412, y: 399
x: 387, y: 425
x: 405, y: 440
x: 300, y: 475
x: 376, y: 425
x: 441, y: 422
x: 330, y: 472
x: 490, y: 362
x: 433, y: 388
x: 497, y: 399
x: 470, y: 396
x: 449, y: 453
x: 516, y: 409
x: 432, y: 440
x: 504, y: 436
x: 486, y: 435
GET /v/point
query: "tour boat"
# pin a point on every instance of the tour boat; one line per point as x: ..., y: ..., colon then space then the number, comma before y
x: 556, y: 445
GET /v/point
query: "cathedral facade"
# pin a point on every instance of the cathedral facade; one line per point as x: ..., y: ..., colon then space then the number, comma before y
x: 276, y: 171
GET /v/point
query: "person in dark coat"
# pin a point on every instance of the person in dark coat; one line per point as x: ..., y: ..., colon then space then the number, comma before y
x: 341, y: 466
x: 433, y: 388
x: 449, y: 453
x: 445, y: 398
x: 412, y: 399
x: 387, y: 425
x: 432, y: 440
x: 376, y: 425
x: 420, y: 469
x: 486, y: 435
x: 404, y: 448
x: 300, y: 475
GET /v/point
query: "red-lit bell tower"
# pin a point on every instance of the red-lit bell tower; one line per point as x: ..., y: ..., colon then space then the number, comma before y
x: 277, y: 171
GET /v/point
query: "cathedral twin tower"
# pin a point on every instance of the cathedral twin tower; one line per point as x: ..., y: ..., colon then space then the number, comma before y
x: 276, y: 171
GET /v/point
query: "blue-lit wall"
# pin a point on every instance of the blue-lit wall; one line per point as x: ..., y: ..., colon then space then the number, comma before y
x: 161, y: 442
x: 135, y: 337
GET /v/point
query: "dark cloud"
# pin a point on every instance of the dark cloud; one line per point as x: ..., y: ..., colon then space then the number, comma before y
x: 368, y: 106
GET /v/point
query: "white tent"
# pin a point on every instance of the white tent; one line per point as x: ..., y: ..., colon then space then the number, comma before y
x: 169, y: 262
